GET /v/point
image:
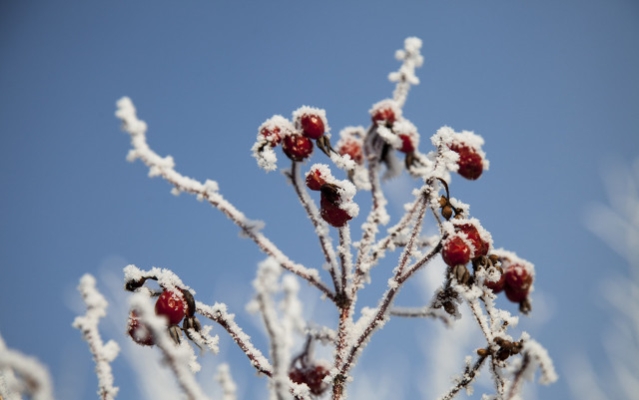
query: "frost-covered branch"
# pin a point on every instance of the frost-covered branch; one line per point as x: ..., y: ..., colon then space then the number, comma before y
x: 103, y: 354
x: 219, y: 314
x: 366, y: 157
x: 23, y: 374
x: 406, y: 77
x: 208, y: 191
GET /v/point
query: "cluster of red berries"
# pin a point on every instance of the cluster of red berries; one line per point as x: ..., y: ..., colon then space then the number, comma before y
x: 516, y: 280
x: 174, y: 306
x: 297, y: 139
x: 470, y: 243
x: 330, y: 200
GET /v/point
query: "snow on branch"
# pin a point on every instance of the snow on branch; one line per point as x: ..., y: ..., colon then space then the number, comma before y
x: 103, y: 354
x: 23, y: 374
x: 361, y: 154
x: 208, y: 191
x: 411, y: 59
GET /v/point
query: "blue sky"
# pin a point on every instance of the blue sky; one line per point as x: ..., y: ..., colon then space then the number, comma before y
x: 552, y: 87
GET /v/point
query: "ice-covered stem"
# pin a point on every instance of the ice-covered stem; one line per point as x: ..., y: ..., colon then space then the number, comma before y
x: 381, y: 315
x: 405, y: 76
x: 345, y: 257
x: 32, y: 377
x: 376, y: 217
x: 266, y: 286
x: 103, y: 354
x: 321, y: 229
x: 224, y: 378
x: 219, y: 314
x: 485, y: 327
x: 177, y: 358
x: 208, y: 191
x: 469, y: 375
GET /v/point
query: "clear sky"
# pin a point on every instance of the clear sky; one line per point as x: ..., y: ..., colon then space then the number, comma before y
x: 553, y: 87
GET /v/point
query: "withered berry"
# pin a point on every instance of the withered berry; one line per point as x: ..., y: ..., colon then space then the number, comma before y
x: 332, y: 213
x: 139, y: 332
x: 455, y: 251
x: 312, y: 126
x: 407, y: 144
x: 517, y: 282
x: 386, y: 115
x: 470, y: 163
x: 272, y: 135
x: 171, y: 305
x: 496, y: 286
x: 353, y: 149
x: 297, y: 147
x: 314, y: 180
x: 481, y: 247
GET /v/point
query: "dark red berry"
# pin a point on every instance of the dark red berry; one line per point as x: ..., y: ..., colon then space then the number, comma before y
x: 353, y: 149
x: 272, y: 135
x: 470, y: 163
x: 496, y: 286
x: 517, y: 282
x: 331, y: 212
x: 455, y: 252
x: 481, y: 247
x: 312, y: 126
x: 312, y: 376
x: 171, y: 305
x: 297, y: 147
x: 385, y: 114
x: 314, y: 180
x: 407, y: 144
x: 139, y: 332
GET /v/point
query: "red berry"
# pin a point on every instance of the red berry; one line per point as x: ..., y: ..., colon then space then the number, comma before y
x: 272, y: 135
x: 470, y: 163
x: 170, y: 305
x: 331, y: 212
x: 407, y: 144
x: 496, y: 286
x: 139, y: 332
x: 314, y: 180
x: 518, y: 282
x: 481, y: 247
x: 312, y: 126
x: 353, y: 149
x: 312, y: 376
x: 297, y: 147
x: 456, y: 252
x: 386, y: 115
